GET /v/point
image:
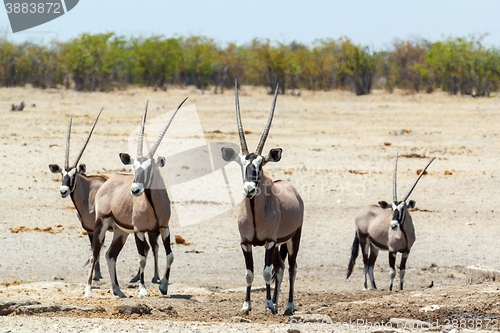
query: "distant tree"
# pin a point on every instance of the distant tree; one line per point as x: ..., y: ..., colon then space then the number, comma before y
x: 271, y: 63
x: 358, y: 64
x: 199, y: 61
x: 408, y: 59
x: 155, y: 60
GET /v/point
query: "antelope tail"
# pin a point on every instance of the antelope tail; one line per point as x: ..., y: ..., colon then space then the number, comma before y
x: 354, y: 255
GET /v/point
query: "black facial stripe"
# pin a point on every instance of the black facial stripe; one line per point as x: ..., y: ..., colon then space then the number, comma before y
x: 398, y: 215
x: 252, y: 174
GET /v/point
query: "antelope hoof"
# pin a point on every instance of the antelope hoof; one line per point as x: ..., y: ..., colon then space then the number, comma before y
x: 290, y: 309
x: 270, y: 306
x: 88, y: 291
x: 142, y: 291
x: 155, y: 279
x: 164, y: 286
x: 245, y: 310
x: 119, y: 293
x: 97, y: 276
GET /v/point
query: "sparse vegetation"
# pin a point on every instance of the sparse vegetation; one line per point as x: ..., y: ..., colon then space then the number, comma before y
x: 107, y: 61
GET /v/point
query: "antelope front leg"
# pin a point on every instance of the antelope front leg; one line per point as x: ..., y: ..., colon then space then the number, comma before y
x: 268, y: 273
x: 392, y: 270
x: 402, y: 268
x: 153, y: 241
x: 247, y: 253
x: 99, y: 233
x: 137, y: 277
x: 165, y: 237
x: 140, y: 241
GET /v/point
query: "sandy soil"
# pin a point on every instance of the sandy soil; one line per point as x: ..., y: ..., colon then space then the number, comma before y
x: 338, y: 151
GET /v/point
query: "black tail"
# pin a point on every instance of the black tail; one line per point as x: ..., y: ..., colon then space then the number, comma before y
x: 283, y: 254
x: 283, y: 251
x: 354, y: 255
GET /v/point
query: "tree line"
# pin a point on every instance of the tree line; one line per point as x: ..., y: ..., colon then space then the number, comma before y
x: 102, y: 62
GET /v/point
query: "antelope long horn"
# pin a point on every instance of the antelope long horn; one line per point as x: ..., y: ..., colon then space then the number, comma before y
x: 141, y: 132
x: 243, y: 142
x: 88, y: 138
x: 66, y: 158
x: 394, y: 186
x: 416, y: 181
x: 158, y: 141
x: 268, y: 125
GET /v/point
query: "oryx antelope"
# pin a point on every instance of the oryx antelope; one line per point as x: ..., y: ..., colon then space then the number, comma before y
x: 83, y: 189
x: 271, y: 214
x: 387, y: 227
x: 136, y: 204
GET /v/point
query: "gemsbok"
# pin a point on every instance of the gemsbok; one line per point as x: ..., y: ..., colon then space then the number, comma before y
x: 82, y: 190
x: 271, y: 214
x: 136, y: 204
x: 385, y: 227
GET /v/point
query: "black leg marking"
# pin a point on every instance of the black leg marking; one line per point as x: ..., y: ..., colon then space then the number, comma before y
x: 268, y: 270
x: 402, y: 269
x: 153, y: 241
x: 140, y: 242
x: 165, y: 237
x: 363, y: 243
x: 371, y: 264
x: 247, y: 253
x: 97, y: 272
x: 392, y: 270
x: 292, y: 270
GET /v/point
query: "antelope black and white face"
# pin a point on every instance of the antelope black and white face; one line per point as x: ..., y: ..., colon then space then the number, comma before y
x: 399, y: 211
x: 68, y: 177
x: 251, y: 166
x: 144, y: 168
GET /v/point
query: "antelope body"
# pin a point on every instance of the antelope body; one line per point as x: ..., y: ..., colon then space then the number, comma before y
x: 137, y: 204
x: 271, y: 214
x: 387, y: 227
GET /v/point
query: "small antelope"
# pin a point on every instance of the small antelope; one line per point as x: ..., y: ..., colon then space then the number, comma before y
x: 388, y: 228
x: 136, y: 204
x: 82, y: 189
x: 271, y: 214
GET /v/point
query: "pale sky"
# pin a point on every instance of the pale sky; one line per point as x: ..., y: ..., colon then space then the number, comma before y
x: 372, y: 23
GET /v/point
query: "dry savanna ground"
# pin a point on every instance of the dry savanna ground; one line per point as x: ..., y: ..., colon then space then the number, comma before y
x: 339, y: 151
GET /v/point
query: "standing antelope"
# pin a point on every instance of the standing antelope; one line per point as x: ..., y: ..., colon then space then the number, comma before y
x: 83, y: 189
x: 136, y: 204
x: 388, y: 228
x: 271, y: 214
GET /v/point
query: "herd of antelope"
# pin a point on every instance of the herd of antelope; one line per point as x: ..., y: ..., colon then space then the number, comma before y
x: 270, y: 214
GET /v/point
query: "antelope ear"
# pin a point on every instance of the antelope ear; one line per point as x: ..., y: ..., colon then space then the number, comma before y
x: 160, y: 161
x: 383, y: 204
x: 82, y: 168
x: 411, y: 204
x: 228, y: 154
x: 274, y: 155
x: 54, y: 168
x: 126, y: 159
